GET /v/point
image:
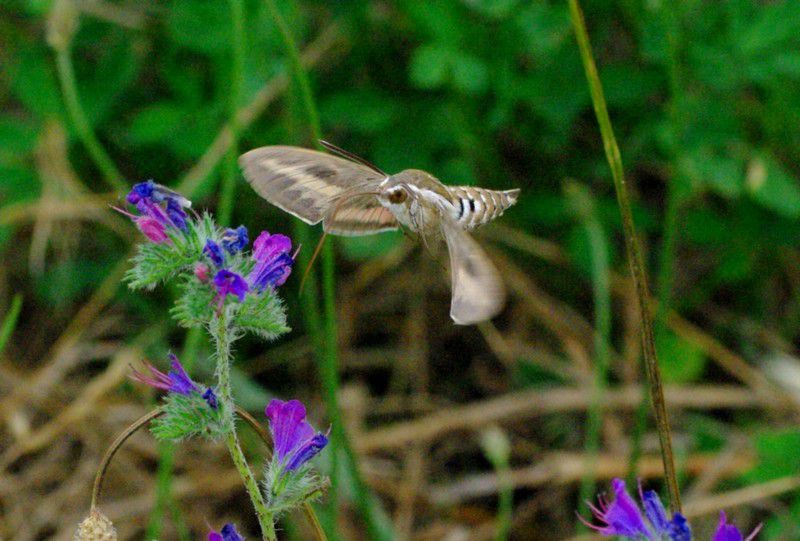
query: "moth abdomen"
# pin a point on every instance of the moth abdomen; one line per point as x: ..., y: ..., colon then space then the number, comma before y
x: 477, y: 206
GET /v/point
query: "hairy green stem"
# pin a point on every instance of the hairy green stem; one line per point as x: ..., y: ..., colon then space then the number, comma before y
x: 635, y: 259
x: 222, y: 340
x: 598, y: 246
x: 10, y: 321
x: 77, y: 115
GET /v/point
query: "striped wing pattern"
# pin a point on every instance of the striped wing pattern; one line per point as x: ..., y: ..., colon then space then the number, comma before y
x: 358, y: 214
x: 307, y: 183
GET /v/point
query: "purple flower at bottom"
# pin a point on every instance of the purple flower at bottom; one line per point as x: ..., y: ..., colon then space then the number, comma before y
x: 228, y: 533
x: 620, y: 517
x: 229, y: 283
x: 273, y: 261
x: 729, y: 532
x: 295, y: 440
x: 143, y: 190
x: 154, y: 230
x: 176, y: 381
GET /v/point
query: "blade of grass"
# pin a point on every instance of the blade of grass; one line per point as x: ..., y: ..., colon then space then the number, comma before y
x: 62, y: 25
x: 329, y: 369
x: 634, y: 253
x: 10, y: 321
x: 584, y: 207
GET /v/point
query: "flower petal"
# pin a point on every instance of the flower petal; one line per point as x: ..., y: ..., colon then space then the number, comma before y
x: 288, y: 426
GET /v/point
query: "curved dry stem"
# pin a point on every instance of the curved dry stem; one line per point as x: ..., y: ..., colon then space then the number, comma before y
x: 308, y: 510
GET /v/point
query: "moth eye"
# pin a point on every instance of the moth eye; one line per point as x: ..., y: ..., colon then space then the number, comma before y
x: 397, y: 196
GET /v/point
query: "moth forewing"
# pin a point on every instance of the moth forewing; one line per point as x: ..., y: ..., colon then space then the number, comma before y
x: 478, y: 292
x: 304, y: 183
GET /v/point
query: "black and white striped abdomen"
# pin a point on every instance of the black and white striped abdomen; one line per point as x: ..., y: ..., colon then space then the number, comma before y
x: 477, y: 206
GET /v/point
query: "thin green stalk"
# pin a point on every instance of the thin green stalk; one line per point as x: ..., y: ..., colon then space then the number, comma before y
x: 10, y: 321
x: 77, y: 115
x: 675, y: 196
x: 634, y: 254
x: 497, y: 448
x: 222, y: 341
x: 601, y: 290
x: 231, y: 171
x: 329, y: 366
x: 166, y: 453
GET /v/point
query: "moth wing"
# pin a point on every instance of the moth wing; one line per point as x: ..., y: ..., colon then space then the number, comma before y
x: 478, y: 292
x: 302, y: 182
x: 357, y: 214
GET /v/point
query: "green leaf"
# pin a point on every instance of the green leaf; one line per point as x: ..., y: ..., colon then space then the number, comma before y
x: 187, y: 416
x: 34, y: 82
x: 772, y: 186
x: 429, y: 66
x: 200, y: 25
x: 470, y: 74
x: 156, y: 123
x: 681, y: 361
x: 362, y: 110
x: 777, y: 452
x: 495, y: 9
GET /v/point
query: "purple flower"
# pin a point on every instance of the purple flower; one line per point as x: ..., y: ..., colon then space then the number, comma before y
x: 176, y: 214
x: 623, y: 517
x: 235, y: 240
x: 153, y: 218
x: 201, y: 272
x: 214, y: 253
x: 273, y: 262
x: 228, y: 533
x: 729, y: 532
x: 229, y: 283
x: 176, y: 381
x: 294, y: 439
x: 211, y: 398
x: 143, y: 190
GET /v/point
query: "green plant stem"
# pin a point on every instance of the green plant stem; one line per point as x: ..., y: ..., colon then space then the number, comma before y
x: 505, y: 504
x: 669, y: 234
x: 77, y: 115
x: 222, y: 340
x: 601, y: 290
x: 329, y: 363
x: 634, y: 254
x: 231, y: 171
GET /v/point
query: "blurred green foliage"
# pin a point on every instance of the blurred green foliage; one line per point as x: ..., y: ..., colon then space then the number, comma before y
x: 703, y: 96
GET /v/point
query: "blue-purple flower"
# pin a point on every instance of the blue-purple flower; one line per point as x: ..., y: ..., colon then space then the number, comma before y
x: 213, y: 251
x: 295, y: 440
x: 235, y: 240
x: 229, y: 283
x: 622, y: 517
x: 729, y: 532
x: 227, y: 533
x: 176, y: 381
x: 273, y: 261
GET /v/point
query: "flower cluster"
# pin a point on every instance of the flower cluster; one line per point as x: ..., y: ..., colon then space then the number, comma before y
x: 272, y: 263
x: 227, y: 533
x: 622, y: 517
x: 288, y: 479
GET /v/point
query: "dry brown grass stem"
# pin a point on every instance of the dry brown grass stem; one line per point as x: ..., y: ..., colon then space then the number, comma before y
x: 524, y: 405
x: 560, y: 468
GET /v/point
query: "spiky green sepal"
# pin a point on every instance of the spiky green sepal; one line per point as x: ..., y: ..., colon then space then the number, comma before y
x: 187, y: 416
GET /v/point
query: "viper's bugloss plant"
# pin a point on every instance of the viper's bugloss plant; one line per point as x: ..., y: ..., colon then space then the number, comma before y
x: 228, y: 291
x: 622, y: 517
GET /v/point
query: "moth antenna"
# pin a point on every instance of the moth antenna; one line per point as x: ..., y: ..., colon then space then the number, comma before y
x: 311, y: 261
x: 352, y: 157
x: 341, y: 200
